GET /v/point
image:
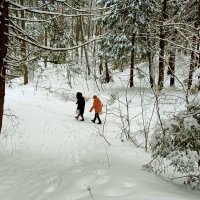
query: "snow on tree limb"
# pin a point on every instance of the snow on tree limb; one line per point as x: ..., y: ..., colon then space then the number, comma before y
x: 51, y: 48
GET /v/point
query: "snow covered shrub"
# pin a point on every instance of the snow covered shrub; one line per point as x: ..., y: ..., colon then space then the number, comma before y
x: 178, y: 140
x: 113, y: 98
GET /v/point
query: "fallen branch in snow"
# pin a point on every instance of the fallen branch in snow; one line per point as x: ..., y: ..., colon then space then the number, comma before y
x: 12, y: 117
x: 103, y: 136
x: 89, y: 190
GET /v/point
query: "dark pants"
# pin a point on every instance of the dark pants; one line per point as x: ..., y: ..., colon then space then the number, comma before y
x: 80, y: 115
x: 81, y: 112
x: 97, y: 116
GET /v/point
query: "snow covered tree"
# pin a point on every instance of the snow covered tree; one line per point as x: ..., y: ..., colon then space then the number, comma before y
x: 178, y: 138
x: 195, y: 60
x: 162, y: 44
x: 124, y: 22
x: 23, y: 24
x: 182, y: 33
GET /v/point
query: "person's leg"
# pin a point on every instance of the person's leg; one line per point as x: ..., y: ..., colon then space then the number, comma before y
x: 77, y: 116
x: 97, y: 115
x: 82, y: 117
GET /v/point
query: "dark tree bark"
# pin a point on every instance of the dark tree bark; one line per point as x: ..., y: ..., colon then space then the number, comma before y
x: 23, y: 47
x: 172, y: 58
x: 3, y: 52
x: 192, y: 61
x: 45, y: 43
x: 198, y: 65
x: 171, y: 69
x: 151, y: 71
x: 132, y: 61
x: 78, y: 25
x: 172, y: 52
x: 100, y: 67
x: 162, y: 47
x: 107, y: 73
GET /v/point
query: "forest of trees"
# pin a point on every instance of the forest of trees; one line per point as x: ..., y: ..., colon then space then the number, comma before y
x: 107, y: 35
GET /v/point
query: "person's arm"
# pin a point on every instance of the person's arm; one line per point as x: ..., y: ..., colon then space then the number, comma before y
x: 92, y: 107
x: 78, y: 103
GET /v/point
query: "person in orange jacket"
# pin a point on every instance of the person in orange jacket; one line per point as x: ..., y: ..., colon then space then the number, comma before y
x: 97, y: 106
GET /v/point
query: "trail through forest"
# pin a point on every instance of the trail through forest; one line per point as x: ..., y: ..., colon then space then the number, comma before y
x: 50, y: 155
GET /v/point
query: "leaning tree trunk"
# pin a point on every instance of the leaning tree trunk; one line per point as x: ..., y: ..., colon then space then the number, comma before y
x: 3, y: 52
x: 162, y: 47
x: 132, y: 61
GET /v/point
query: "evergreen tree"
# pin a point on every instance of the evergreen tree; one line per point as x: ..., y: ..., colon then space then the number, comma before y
x: 178, y: 140
x: 124, y: 22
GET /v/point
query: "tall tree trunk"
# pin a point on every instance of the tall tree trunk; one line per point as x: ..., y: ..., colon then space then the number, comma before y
x: 3, y: 52
x: 89, y: 21
x: 151, y: 71
x: 45, y: 43
x: 172, y: 56
x: 192, y: 60
x: 132, y: 61
x: 107, y: 73
x: 171, y: 69
x: 78, y: 25
x: 23, y: 47
x: 100, y: 67
x: 198, y: 26
x: 89, y: 27
x: 162, y: 47
x: 25, y: 69
x: 198, y: 62
x: 84, y: 47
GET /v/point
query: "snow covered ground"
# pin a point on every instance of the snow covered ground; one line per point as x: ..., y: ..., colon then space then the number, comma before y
x: 46, y: 154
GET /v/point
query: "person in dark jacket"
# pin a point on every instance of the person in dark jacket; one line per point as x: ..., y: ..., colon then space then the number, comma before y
x: 80, y: 105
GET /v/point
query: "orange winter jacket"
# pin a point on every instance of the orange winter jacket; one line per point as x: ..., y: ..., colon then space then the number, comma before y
x: 97, y: 105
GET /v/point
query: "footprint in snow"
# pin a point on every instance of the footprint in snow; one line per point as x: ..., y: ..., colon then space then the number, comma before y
x: 52, y: 183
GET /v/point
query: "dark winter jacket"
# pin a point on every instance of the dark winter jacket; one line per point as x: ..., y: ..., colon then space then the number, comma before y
x: 80, y: 102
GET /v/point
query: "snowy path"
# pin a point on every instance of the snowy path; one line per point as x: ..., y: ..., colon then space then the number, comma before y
x: 56, y: 157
